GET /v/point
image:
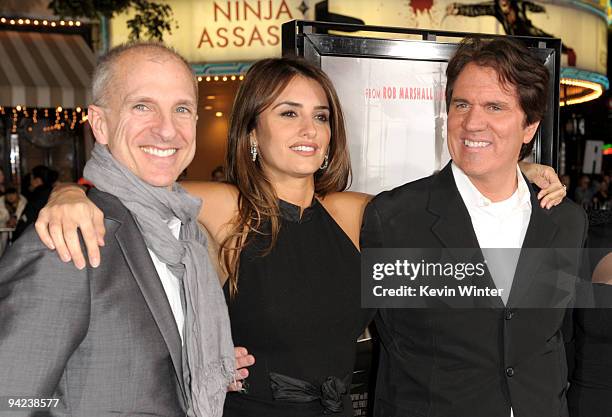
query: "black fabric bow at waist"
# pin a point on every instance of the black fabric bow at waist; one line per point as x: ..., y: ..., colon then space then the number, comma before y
x: 329, y: 393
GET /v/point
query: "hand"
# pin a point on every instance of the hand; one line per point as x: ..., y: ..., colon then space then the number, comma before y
x: 68, y: 210
x: 243, y: 359
x: 451, y: 9
x: 552, y: 191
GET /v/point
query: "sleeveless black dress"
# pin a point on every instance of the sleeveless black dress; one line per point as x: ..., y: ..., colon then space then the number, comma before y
x: 298, y: 312
x: 590, y: 393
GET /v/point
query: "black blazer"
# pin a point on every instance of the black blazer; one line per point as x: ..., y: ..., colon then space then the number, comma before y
x: 468, y: 362
x: 101, y: 340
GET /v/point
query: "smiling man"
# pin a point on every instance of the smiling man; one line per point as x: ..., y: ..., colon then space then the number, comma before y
x: 498, y: 359
x: 111, y: 340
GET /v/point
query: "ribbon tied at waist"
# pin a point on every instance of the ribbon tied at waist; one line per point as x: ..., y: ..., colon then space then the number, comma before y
x: 329, y: 393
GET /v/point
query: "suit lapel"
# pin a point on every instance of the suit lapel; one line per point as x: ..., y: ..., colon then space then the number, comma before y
x: 454, y: 227
x: 540, y: 234
x: 145, y: 274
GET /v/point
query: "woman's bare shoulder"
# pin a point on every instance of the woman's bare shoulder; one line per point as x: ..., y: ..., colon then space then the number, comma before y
x: 347, y: 208
x: 219, y: 204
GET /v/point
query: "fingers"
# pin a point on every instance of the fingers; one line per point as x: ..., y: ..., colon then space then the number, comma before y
x: 90, y: 237
x: 98, y: 221
x: 56, y: 232
x: 552, y: 196
x: 235, y: 386
x: 41, y: 228
x: 59, y: 222
x: 243, y: 359
x: 73, y: 244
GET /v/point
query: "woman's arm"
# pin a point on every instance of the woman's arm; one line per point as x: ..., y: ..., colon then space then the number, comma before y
x: 552, y: 191
x: 69, y: 210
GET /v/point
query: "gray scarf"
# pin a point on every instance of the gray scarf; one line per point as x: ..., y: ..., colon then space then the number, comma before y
x: 208, y: 356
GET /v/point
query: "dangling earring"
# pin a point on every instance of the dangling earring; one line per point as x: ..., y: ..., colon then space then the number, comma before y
x: 325, y: 161
x: 253, y: 152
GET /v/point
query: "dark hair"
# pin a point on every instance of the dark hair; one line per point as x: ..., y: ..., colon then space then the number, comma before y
x: 10, y: 190
x: 257, y: 199
x: 47, y: 175
x: 515, y: 66
x: 218, y: 169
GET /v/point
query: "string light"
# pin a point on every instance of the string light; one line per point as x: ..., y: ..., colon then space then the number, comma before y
x: 36, y: 22
x: 241, y: 77
x: 224, y: 78
x: 216, y: 78
x: 199, y: 79
x: 233, y: 78
x: 207, y: 78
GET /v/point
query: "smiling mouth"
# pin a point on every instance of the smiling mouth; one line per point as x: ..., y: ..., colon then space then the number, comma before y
x: 162, y: 153
x: 475, y: 144
x: 303, y: 148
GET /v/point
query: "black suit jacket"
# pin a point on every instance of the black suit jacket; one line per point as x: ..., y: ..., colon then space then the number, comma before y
x: 468, y: 362
x: 103, y: 341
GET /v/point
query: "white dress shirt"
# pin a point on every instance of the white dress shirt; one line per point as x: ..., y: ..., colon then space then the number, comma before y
x: 170, y: 282
x: 502, y: 224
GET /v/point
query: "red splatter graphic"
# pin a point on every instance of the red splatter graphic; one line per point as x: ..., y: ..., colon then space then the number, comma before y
x: 421, y: 5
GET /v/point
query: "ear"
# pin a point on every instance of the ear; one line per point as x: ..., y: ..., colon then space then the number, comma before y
x: 529, y: 131
x: 253, y: 137
x: 97, y: 121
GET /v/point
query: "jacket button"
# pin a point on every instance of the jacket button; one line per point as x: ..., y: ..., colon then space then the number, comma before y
x: 510, y: 371
x: 509, y: 315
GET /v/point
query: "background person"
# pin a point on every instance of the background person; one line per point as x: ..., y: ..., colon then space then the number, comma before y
x: 12, y: 205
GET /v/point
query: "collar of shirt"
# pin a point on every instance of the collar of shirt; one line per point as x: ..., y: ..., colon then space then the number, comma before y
x: 169, y: 282
x: 175, y: 226
x: 520, y: 199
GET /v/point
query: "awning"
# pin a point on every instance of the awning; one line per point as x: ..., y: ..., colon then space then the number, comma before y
x: 44, y: 69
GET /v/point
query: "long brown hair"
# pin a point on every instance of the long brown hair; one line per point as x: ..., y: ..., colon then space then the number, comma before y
x: 257, y: 199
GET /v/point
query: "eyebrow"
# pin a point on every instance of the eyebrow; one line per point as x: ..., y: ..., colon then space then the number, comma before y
x: 488, y: 103
x: 146, y: 99
x: 295, y: 104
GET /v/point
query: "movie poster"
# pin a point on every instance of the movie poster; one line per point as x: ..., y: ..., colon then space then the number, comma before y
x: 395, y: 118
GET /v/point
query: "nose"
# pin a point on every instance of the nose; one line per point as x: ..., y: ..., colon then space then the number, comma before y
x: 308, y: 128
x: 475, y: 119
x: 164, y: 127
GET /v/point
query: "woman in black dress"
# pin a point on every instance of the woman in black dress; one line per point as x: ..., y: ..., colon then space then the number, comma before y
x: 287, y: 242
x: 590, y: 393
